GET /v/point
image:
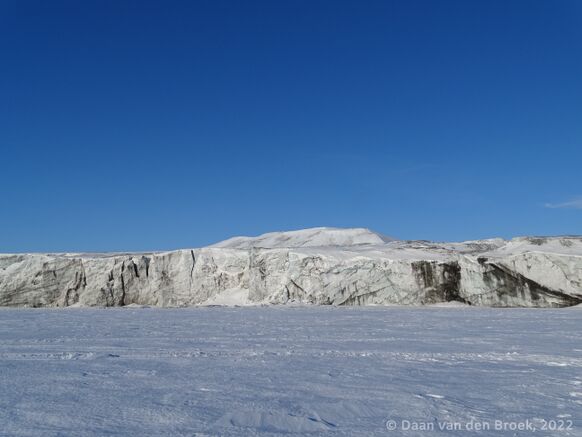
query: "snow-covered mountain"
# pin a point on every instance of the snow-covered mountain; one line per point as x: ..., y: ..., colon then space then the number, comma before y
x: 313, y: 237
x: 317, y: 266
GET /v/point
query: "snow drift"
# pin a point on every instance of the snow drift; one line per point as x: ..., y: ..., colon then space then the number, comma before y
x: 315, y: 266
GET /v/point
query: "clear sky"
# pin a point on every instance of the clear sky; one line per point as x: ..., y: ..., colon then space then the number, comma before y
x: 141, y: 125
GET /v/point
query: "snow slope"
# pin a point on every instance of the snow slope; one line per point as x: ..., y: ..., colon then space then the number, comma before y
x: 318, y: 237
x: 314, y: 266
x: 287, y: 371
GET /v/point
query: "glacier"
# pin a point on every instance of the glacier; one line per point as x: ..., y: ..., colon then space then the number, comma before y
x: 324, y: 266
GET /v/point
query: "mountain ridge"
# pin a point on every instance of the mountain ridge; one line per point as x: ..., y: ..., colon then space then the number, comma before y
x: 331, y: 266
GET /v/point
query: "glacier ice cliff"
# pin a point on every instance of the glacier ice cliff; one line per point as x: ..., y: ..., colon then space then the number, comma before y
x: 327, y: 266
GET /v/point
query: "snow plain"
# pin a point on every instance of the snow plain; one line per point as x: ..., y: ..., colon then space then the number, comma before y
x: 338, y: 371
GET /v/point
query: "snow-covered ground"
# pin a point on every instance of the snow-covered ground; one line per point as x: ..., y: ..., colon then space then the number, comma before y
x: 288, y: 370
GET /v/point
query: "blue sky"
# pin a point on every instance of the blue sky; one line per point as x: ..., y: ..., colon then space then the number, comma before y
x: 140, y: 125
